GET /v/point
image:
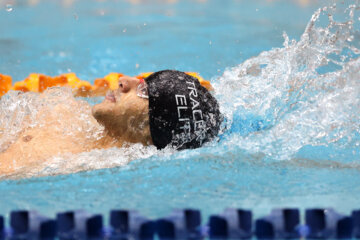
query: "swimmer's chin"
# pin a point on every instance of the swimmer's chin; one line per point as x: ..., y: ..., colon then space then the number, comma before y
x: 102, y: 110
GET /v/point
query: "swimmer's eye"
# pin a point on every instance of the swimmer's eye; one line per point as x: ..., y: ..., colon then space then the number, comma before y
x: 121, y: 85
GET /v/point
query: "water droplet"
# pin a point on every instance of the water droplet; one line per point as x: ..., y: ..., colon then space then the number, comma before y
x: 76, y: 17
x: 350, y: 38
x: 124, y: 30
x: 8, y: 7
x: 210, y: 42
x: 257, y: 9
x: 145, y: 24
x: 102, y: 12
x: 69, y: 69
x: 137, y: 65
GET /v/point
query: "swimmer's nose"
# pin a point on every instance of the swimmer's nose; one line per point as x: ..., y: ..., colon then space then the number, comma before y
x: 130, y: 81
x: 135, y: 81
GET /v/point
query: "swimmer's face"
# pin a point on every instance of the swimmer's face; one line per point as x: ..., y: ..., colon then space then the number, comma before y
x: 124, y: 114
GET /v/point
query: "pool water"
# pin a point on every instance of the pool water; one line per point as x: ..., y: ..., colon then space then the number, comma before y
x: 286, y: 74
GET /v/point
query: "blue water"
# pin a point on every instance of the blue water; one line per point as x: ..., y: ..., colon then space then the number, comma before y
x: 191, y: 36
x: 284, y: 145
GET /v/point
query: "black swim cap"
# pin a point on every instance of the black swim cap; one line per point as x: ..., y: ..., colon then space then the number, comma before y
x: 182, y: 112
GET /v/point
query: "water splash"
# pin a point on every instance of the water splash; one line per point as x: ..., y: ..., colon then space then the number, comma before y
x: 21, y: 111
x: 276, y: 104
x: 304, y: 94
x: 8, y: 7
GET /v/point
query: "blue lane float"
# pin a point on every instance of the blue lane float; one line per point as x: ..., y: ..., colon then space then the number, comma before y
x: 328, y: 224
x: 125, y: 224
x: 280, y: 224
x: 183, y: 224
x: 356, y: 223
x: 79, y: 225
x: 2, y: 228
x: 231, y: 224
x: 31, y: 225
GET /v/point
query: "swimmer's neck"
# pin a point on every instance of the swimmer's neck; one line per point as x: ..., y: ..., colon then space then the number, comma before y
x: 111, y: 139
x: 108, y: 140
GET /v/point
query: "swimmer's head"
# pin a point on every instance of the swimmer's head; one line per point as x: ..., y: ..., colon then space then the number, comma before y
x: 124, y: 114
x: 173, y: 109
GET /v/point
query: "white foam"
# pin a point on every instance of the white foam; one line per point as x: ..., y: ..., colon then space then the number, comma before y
x: 302, y: 102
x: 19, y: 111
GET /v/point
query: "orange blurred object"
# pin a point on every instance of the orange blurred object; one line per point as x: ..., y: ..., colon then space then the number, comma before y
x: 203, y: 82
x: 83, y: 89
x: 46, y: 82
x: 144, y: 75
x: 101, y: 83
x: 101, y: 86
x: 109, y: 82
x: 72, y: 79
x: 31, y: 83
x: 80, y: 87
x: 36, y: 82
x: 113, y: 80
x: 5, y: 84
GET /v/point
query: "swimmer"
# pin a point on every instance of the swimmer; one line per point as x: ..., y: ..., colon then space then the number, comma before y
x: 167, y: 108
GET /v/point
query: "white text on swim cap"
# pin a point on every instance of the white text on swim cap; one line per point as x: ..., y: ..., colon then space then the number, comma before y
x: 197, y: 115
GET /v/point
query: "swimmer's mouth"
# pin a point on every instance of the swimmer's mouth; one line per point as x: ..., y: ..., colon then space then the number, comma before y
x: 110, y: 96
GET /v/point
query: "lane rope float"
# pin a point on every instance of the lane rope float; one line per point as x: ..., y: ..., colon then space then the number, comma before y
x: 37, y: 82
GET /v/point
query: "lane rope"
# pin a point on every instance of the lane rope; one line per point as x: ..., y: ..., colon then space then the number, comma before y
x: 37, y: 82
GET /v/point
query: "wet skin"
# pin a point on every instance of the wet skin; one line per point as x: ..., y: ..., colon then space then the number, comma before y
x: 123, y: 114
